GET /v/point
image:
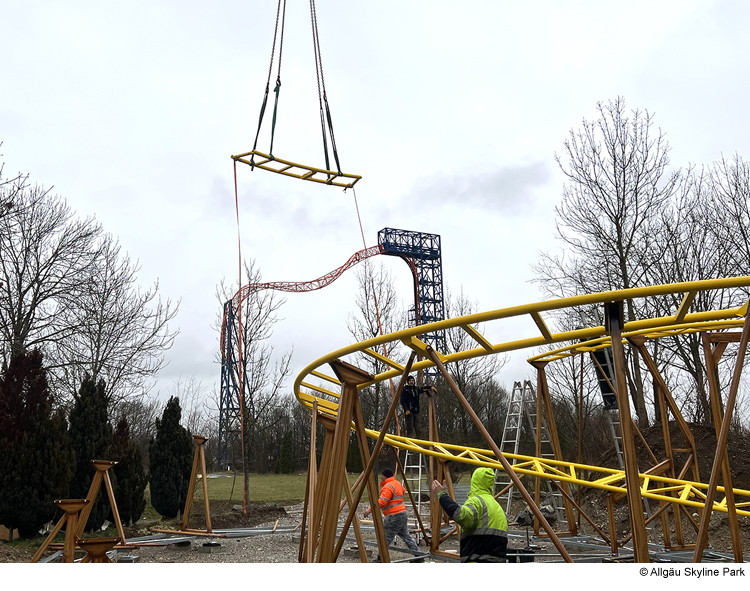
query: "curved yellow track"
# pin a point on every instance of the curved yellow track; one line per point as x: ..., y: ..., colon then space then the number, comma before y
x: 401, y: 343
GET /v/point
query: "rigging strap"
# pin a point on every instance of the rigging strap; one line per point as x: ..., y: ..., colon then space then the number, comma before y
x: 325, y: 113
x: 268, y: 80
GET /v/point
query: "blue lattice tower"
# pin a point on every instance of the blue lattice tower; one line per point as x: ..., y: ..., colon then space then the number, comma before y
x: 229, y: 401
x: 423, y: 251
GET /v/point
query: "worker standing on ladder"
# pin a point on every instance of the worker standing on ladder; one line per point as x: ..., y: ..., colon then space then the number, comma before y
x: 484, y: 527
x: 391, y: 502
x: 410, y: 404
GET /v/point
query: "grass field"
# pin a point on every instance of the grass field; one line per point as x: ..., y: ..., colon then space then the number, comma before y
x: 263, y: 488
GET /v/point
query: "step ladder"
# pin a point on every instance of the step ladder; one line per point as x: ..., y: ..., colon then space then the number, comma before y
x: 522, y: 404
x: 417, y: 476
x: 510, y: 443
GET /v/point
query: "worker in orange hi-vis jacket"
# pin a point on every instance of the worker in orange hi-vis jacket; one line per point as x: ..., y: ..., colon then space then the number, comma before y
x: 391, y: 503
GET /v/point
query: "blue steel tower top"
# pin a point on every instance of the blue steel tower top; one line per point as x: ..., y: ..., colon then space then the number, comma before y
x: 422, y: 252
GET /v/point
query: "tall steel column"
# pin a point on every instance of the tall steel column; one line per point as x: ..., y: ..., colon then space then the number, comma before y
x: 229, y: 397
x: 422, y: 251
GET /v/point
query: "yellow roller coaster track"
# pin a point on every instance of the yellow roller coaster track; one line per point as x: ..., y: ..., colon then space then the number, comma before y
x: 653, y: 485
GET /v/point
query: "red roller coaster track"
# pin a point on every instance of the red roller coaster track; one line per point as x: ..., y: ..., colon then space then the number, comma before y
x: 298, y: 286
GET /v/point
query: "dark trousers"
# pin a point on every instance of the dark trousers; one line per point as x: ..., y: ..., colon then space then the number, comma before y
x: 411, y: 422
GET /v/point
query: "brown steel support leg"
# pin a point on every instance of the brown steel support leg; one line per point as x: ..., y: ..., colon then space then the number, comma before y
x: 538, y: 449
x: 70, y: 507
x: 372, y: 486
x: 581, y: 512
x: 357, y: 530
x: 721, y: 444
x: 101, y: 467
x: 612, y: 525
x: 614, y: 323
x: 206, y: 506
x: 501, y: 458
x: 312, y: 471
x: 367, y: 472
x: 555, y: 441
x: 115, y: 511
x: 199, y: 465
x: 350, y: 377
x: 436, y: 513
x: 662, y: 391
x: 91, y: 496
x: 712, y: 360
x: 191, y: 485
x: 639, y: 343
x: 322, y: 488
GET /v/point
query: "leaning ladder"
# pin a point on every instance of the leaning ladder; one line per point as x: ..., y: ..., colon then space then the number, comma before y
x: 615, y: 428
x: 416, y: 474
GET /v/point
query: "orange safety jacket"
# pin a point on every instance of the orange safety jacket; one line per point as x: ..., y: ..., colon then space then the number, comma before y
x: 391, y: 498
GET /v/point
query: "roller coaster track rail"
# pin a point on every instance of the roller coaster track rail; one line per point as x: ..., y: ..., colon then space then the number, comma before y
x: 314, y: 383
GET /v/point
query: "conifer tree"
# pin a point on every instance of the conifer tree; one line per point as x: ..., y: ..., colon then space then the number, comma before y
x: 131, y: 477
x: 90, y: 436
x: 170, y: 461
x: 36, y: 462
x: 285, y: 463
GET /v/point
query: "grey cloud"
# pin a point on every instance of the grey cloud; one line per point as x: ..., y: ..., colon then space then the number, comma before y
x: 507, y: 190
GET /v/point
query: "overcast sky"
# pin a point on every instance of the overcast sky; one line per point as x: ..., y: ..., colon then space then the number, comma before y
x: 451, y: 112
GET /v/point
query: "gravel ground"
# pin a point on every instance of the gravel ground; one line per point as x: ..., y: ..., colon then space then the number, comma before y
x: 269, y: 548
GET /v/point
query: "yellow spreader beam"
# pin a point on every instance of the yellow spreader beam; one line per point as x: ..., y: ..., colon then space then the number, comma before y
x: 270, y: 163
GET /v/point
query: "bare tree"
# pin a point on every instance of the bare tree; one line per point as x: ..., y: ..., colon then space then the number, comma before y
x: 67, y: 288
x: 119, y: 332
x: 44, y: 252
x: 730, y: 194
x: 9, y: 188
x: 195, y: 403
x: 263, y: 402
x: 141, y: 414
x: 702, y: 236
x: 476, y: 378
x: 380, y: 312
x: 608, y: 220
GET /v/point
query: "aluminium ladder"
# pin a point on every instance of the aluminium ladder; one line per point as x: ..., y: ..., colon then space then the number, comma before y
x: 417, y: 476
x: 522, y: 404
x: 615, y: 428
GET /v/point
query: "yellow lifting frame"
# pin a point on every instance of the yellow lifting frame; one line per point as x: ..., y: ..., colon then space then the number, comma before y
x: 297, y: 171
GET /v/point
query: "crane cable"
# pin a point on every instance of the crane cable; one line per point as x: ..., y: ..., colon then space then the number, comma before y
x: 240, y: 368
x: 375, y: 299
x: 277, y: 89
